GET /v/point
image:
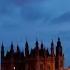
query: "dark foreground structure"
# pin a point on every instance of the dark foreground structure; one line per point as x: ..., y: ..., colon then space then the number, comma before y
x: 39, y: 58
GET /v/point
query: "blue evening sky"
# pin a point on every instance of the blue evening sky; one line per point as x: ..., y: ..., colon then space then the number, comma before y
x: 44, y: 20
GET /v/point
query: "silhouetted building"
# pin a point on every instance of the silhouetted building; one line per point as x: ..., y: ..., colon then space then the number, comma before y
x: 39, y: 58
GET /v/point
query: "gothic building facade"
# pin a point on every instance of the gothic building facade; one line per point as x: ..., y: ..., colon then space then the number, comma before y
x: 39, y: 58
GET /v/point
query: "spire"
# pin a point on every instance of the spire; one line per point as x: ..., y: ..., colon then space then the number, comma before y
x: 11, y: 50
x: 58, y: 42
x: 36, y: 48
x: 52, y: 48
x: 26, y: 49
x: 47, y: 52
x: 2, y: 47
x: 41, y: 45
x: 52, y: 44
x: 18, y: 50
x: 37, y: 45
x: 42, y: 49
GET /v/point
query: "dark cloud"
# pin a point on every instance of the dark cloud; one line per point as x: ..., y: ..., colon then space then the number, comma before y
x: 62, y: 18
x: 34, y: 15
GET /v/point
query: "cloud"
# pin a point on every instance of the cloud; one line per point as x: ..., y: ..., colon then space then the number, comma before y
x: 15, y: 16
x: 62, y: 18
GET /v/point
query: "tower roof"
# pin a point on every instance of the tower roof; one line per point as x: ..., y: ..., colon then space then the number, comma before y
x: 42, y: 46
x: 36, y: 44
x: 11, y: 50
x: 2, y: 46
x: 52, y: 43
x: 58, y: 42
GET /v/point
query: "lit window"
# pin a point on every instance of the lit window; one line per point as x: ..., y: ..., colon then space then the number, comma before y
x: 14, y: 68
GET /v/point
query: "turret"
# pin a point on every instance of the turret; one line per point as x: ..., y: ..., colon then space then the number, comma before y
x: 37, y: 48
x: 37, y: 57
x: 59, y: 56
x: 2, y: 53
x: 58, y: 48
x: 47, y: 52
x: 42, y: 46
x: 52, y: 48
x: 26, y: 49
x: 18, y: 50
x: 11, y: 50
x: 42, y: 49
x: 37, y: 45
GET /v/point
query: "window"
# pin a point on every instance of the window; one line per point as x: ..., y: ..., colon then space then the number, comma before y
x: 41, y: 67
x: 14, y: 67
x: 48, y: 67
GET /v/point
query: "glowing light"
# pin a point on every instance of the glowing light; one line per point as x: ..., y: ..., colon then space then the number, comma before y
x: 14, y: 68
